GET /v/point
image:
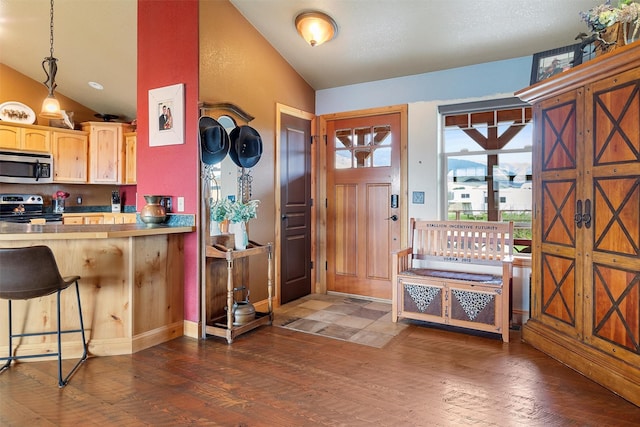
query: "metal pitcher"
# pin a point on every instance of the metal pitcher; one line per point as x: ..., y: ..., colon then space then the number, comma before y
x: 243, y: 311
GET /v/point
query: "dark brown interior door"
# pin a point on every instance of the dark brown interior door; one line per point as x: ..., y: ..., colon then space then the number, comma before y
x: 295, y: 208
x: 363, y: 224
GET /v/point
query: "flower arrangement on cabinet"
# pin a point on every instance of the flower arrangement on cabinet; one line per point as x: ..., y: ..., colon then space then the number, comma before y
x: 602, y: 17
x: 219, y: 210
x: 243, y: 212
x: 226, y: 210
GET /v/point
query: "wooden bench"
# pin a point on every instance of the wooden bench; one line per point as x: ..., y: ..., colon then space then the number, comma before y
x: 456, y: 273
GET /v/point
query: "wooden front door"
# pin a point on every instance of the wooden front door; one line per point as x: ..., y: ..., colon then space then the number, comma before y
x: 295, y: 207
x: 363, y: 227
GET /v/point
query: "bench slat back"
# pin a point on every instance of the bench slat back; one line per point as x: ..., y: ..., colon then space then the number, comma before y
x: 475, y: 242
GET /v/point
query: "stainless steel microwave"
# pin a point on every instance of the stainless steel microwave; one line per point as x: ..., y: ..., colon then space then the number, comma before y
x: 26, y: 167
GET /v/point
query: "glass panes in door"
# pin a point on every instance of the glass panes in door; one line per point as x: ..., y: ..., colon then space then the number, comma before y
x: 363, y: 147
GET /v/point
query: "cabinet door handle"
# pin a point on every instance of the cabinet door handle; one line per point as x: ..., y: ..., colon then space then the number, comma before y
x: 578, y: 216
x: 586, y: 216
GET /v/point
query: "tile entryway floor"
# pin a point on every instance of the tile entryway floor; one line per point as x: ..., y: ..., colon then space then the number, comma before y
x: 341, y: 317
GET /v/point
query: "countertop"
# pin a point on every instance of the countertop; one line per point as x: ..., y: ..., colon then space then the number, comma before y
x: 13, y: 231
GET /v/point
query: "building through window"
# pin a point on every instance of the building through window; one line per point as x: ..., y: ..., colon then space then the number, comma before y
x: 487, y: 163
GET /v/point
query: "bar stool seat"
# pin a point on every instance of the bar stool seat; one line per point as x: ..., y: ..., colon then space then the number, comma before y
x: 32, y: 272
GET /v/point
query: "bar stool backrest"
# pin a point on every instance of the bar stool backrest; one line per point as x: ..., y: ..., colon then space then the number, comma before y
x: 29, y: 272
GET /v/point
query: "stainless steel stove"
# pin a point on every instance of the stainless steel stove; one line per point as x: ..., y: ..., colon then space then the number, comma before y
x: 22, y: 208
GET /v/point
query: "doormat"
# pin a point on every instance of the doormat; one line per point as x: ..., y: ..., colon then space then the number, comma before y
x: 345, y: 318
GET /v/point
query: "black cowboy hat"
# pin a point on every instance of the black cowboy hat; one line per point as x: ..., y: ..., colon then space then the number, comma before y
x: 246, y: 146
x: 214, y: 141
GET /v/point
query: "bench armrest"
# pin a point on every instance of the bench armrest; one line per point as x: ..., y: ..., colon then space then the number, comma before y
x: 400, y: 261
x: 402, y: 252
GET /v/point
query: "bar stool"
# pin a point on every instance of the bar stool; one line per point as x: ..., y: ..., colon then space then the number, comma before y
x: 32, y: 272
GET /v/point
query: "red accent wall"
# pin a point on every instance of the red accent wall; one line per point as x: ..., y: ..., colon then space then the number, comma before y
x: 168, y: 55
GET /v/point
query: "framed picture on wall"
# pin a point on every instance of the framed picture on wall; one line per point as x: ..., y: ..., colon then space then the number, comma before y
x: 555, y: 61
x: 166, y: 115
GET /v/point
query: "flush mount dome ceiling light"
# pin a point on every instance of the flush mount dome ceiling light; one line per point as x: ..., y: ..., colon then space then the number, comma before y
x: 316, y: 27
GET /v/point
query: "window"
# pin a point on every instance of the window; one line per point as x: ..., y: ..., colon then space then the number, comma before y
x: 487, y: 163
x: 365, y: 147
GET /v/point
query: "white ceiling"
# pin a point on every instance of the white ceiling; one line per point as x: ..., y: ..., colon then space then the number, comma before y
x: 95, y: 40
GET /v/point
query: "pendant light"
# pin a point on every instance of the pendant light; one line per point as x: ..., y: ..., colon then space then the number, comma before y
x: 50, y: 106
x: 316, y: 27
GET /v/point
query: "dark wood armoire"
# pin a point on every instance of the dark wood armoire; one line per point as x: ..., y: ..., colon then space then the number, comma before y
x: 585, y: 291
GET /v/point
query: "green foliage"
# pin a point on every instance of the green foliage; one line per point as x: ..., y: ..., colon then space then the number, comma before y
x: 233, y: 211
x: 243, y: 212
x: 220, y: 210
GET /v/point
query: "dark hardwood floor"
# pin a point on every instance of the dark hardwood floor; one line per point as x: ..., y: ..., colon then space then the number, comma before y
x: 278, y: 377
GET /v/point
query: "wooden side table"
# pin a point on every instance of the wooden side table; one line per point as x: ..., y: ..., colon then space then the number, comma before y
x: 223, y: 326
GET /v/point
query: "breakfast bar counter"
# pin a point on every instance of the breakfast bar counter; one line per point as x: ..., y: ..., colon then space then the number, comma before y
x: 13, y: 231
x: 131, y: 286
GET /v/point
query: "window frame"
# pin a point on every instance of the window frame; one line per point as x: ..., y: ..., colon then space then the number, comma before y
x: 468, y: 109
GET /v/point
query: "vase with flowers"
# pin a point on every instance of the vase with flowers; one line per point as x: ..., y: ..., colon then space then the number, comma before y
x: 219, y: 217
x: 239, y: 213
x: 613, y: 26
x: 57, y: 201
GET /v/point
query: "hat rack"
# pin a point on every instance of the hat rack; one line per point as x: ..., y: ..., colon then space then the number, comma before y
x: 240, y: 117
x: 212, y: 187
x: 212, y: 109
x: 244, y: 185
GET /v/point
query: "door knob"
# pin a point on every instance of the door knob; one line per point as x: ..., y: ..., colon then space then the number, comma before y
x: 393, y: 217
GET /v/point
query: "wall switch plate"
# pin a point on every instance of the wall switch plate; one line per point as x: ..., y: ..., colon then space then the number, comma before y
x: 180, y: 204
x: 418, y: 197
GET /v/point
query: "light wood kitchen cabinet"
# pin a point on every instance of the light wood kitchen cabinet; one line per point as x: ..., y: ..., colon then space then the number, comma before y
x: 83, y: 218
x: 106, y: 151
x: 119, y: 218
x: 10, y: 136
x: 71, y: 219
x: 99, y: 218
x: 93, y: 219
x: 130, y: 150
x: 23, y: 137
x: 69, y: 150
x: 586, y: 228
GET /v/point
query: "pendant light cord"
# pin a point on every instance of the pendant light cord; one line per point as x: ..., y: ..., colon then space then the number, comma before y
x: 50, y: 106
x: 51, y: 31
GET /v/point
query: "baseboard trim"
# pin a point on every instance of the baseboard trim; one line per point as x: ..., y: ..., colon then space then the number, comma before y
x: 611, y: 373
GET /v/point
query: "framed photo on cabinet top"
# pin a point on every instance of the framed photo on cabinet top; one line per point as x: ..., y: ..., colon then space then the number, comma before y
x: 166, y: 115
x: 555, y: 61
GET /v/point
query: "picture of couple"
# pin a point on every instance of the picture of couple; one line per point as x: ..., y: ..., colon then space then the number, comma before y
x: 166, y: 115
x: 165, y: 120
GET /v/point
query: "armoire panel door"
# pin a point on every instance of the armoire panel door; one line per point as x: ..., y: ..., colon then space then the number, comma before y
x: 613, y: 287
x: 557, y: 192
